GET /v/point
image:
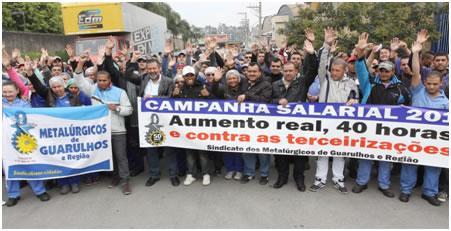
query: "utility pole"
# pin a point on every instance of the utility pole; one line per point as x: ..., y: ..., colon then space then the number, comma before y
x: 258, y: 9
x: 246, y: 28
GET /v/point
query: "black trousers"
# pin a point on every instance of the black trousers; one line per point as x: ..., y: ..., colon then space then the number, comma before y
x: 283, y: 166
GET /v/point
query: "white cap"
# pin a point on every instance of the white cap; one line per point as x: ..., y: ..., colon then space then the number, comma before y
x: 187, y: 70
x: 210, y: 70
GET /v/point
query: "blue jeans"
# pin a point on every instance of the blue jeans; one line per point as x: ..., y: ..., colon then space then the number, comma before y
x: 249, y: 164
x: 430, y: 179
x: 233, y: 162
x: 68, y: 180
x: 153, y: 160
x: 180, y: 156
x: 383, y: 173
x: 13, y: 187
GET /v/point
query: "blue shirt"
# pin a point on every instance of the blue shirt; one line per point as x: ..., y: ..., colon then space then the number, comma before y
x: 421, y: 98
x: 16, y: 103
x: 63, y: 101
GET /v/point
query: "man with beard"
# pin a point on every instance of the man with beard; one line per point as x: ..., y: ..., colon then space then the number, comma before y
x: 154, y: 84
x: 255, y: 89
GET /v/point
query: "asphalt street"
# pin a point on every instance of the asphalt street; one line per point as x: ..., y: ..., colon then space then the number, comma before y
x: 224, y: 204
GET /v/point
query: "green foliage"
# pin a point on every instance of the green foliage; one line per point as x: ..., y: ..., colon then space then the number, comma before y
x: 382, y: 20
x: 39, y: 17
x: 37, y: 54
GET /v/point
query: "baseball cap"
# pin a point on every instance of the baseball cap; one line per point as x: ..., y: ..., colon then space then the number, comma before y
x: 188, y: 70
x: 210, y: 70
x: 387, y: 65
x: 352, y: 58
x: 142, y: 57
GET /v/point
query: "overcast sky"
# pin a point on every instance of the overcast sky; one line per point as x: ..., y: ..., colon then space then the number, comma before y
x: 203, y: 13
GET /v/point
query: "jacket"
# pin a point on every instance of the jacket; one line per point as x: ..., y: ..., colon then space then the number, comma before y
x: 225, y: 92
x: 111, y: 95
x: 374, y: 92
x: 50, y: 98
x: 292, y: 93
x: 333, y: 91
x: 164, y: 89
x: 193, y: 92
x: 260, y: 92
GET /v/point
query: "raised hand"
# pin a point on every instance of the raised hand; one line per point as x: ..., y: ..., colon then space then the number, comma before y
x: 218, y: 75
x: 69, y: 50
x: 6, y: 59
x: 334, y: 46
x: 189, y: 48
x: 308, y: 47
x: 110, y: 43
x: 177, y: 90
x: 417, y: 46
x: 101, y: 51
x: 309, y: 34
x: 422, y: 36
x: 172, y: 60
x: 168, y: 46
x: 394, y: 44
x: 329, y: 35
x: 135, y: 56
x: 15, y: 53
x: 363, y: 41
x: 362, y: 44
x: 212, y: 44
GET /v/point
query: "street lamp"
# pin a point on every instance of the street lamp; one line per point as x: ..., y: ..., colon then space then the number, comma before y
x: 23, y: 17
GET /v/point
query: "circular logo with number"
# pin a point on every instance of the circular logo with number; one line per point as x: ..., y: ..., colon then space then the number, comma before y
x: 156, y: 137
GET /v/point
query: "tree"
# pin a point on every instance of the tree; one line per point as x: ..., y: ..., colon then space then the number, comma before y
x: 39, y: 17
x: 382, y: 20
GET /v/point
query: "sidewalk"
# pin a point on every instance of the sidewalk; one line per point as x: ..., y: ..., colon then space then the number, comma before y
x: 224, y: 204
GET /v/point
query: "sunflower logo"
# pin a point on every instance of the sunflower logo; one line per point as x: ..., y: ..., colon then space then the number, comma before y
x: 22, y: 140
x: 26, y: 143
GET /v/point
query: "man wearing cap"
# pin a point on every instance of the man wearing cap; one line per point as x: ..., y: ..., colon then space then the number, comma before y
x: 141, y: 64
x: 193, y: 89
x: 387, y: 89
x: 335, y: 87
x: 154, y: 84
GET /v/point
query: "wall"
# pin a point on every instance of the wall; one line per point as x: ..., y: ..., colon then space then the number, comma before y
x: 27, y: 42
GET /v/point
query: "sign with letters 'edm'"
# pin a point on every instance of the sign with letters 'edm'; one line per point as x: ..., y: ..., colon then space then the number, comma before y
x: 48, y: 143
x: 384, y: 133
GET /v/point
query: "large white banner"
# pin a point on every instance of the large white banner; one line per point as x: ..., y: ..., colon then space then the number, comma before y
x: 387, y: 133
x: 47, y: 143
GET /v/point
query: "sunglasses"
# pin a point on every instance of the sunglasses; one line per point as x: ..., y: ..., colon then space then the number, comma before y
x: 141, y: 61
x: 209, y: 74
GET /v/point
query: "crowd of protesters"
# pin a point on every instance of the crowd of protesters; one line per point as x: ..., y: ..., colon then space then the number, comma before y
x: 369, y: 74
